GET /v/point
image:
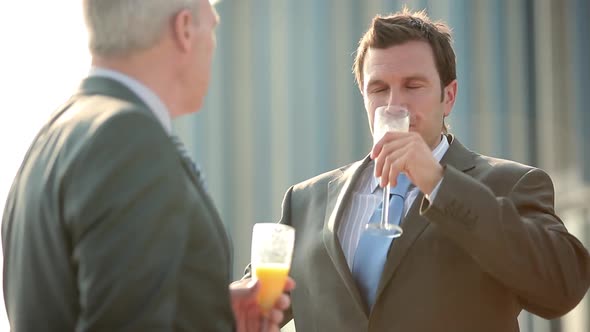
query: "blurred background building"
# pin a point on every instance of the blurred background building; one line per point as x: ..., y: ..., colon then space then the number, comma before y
x: 283, y: 105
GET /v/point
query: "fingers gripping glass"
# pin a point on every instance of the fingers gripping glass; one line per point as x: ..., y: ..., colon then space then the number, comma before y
x: 390, y: 118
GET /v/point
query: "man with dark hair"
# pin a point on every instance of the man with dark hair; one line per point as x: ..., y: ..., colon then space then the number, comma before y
x: 481, y: 241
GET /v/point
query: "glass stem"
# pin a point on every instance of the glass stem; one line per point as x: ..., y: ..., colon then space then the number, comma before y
x: 385, y: 210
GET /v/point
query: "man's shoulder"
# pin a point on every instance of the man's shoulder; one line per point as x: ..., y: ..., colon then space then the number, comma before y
x: 324, y: 178
x: 501, y: 165
x: 480, y: 163
x: 499, y: 172
x: 100, y: 109
x: 95, y: 125
x: 87, y: 116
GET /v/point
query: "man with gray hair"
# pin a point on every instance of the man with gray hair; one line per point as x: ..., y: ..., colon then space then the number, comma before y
x: 107, y: 226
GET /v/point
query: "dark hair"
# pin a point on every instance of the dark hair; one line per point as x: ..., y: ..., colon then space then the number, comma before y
x: 405, y: 26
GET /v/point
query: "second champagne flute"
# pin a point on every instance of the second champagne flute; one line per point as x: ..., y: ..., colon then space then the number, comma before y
x: 272, y: 250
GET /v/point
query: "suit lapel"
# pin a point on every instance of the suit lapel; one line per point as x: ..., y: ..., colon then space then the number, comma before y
x: 414, y: 224
x: 339, y: 192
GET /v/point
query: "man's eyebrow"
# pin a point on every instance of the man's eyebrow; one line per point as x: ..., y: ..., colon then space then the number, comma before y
x: 417, y: 77
x: 374, y: 82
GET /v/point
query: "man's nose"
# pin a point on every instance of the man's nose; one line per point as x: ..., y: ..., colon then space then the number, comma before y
x: 395, y: 98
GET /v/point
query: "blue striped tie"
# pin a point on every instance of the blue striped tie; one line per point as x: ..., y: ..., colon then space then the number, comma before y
x: 372, y: 249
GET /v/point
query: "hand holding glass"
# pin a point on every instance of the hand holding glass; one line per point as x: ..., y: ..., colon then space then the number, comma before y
x: 389, y: 118
x: 272, y: 250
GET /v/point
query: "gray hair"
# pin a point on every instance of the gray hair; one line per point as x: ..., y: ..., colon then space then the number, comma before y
x: 120, y: 27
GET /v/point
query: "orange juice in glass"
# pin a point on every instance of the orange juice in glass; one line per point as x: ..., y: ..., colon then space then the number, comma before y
x: 272, y: 250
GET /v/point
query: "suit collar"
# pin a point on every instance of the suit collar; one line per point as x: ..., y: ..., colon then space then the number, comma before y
x: 339, y: 192
x: 458, y: 155
x: 98, y: 85
x: 104, y: 86
x: 147, y: 95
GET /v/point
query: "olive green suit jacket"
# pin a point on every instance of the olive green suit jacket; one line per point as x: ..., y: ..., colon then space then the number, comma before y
x: 106, y: 227
x: 489, y: 246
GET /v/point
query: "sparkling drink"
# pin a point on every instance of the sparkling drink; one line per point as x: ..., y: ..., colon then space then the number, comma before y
x: 272, y: 278
x: 272, y: 250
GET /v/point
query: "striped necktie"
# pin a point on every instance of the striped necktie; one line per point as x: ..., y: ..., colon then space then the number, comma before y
x: 371, y: 252
x: 194, y: 167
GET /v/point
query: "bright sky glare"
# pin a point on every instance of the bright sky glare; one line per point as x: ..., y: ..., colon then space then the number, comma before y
x: 44, y: 56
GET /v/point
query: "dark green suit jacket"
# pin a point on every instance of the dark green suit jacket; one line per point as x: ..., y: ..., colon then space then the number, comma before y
x: 106, y: 227
x: 489, y: 246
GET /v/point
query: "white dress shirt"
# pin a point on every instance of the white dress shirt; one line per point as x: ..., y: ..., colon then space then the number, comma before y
x: 366, y: 196
x: 153, y: 102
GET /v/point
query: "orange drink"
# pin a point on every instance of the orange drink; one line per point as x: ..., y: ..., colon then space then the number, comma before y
x: 272, y: 278
x: 272, y: 250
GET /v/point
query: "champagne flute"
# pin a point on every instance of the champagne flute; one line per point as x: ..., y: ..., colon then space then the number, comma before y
x: 389, y: 118
x: 272, y: 250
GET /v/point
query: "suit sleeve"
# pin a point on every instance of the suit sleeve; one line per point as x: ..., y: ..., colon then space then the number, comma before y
x: 124, y: 209
x: 516, y: 238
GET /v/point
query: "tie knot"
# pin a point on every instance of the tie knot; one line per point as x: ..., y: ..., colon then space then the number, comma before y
x: 401, y: 188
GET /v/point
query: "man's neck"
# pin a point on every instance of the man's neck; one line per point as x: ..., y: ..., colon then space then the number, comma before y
x: 148, y: 71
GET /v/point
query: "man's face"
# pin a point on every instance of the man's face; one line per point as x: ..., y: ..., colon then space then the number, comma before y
x: 203, y: 46
x: 406, y: 75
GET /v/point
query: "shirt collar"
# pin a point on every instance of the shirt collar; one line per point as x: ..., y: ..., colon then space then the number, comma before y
x: 437, y: 153
x: 153, y: 102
